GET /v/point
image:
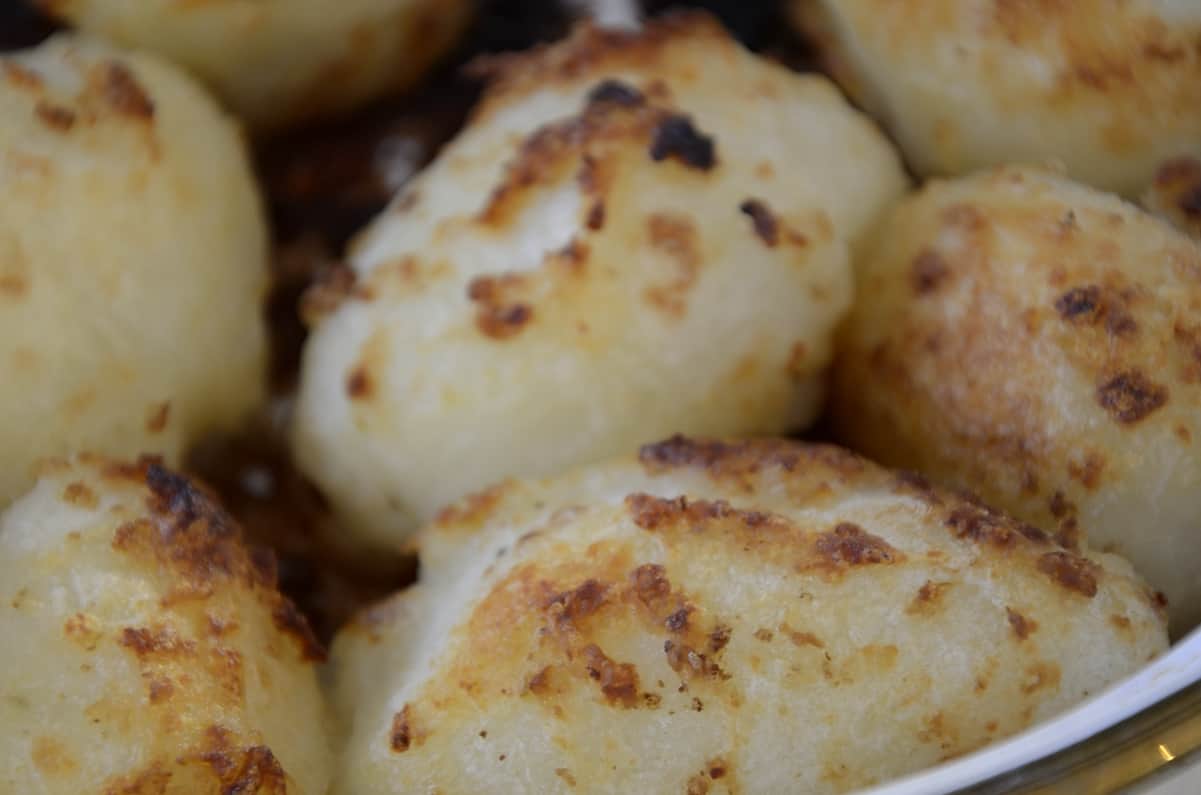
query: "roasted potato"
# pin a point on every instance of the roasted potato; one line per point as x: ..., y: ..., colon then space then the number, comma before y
x: 1040, y: 342
x: 635, y: 234
x: 132, y: 259
x: 278, y: 62
x: 763, y: 616
x: 145, y: 650
x: 1109, y: 89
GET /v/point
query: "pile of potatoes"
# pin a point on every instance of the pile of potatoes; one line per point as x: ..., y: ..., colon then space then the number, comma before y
x: 567, y: 366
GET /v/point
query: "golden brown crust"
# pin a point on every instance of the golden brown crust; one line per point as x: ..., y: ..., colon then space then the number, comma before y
x: 717, y: 594
x: 1032, y: 339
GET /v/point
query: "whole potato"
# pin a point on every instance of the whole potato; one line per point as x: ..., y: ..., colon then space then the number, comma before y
x: 635, y: 234
x: 279, y: 62
x: 755, y: 617
x: 145, y: 650
x: 1039, y: 342
x: 1109, y: 88
x: 132, y: 259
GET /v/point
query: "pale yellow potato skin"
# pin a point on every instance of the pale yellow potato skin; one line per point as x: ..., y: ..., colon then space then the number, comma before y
x: 279, y: 62
x: 1108, y: 88
x: 549, y: 293
x: 1039, y: 342
x: 132, y: 259
x: 145, y: 651
x: 755, y: 617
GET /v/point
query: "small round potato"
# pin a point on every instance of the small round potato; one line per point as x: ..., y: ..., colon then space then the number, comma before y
x: 1109, y: 89
x: 636, y: 234
x: 1038, y: 342
x: 145, y: 650
x: 132, y: 260
x: 278, y: 62
x: 759, y: 617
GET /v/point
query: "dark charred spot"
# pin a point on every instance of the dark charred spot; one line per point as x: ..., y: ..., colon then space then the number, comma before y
x: 1131, y: 396
x: 980, y: 523
x: 1190, y: 202
x: 358, y: 383
x: 160, y: 641
x: 763, y: 220
x: 678, y: 621
x: 616, y: 92
x: 578, y: 603
x: 55, y: 116
x: 650, y: 583
x: 737, y: 459
x: 802, y: 638
x: 764, y: 635
x: 402, y: 737
x: 718, y: 638
x: 1021, y: 626
x: 850, y: 544
x: 496, y: 317
x: 596, y: 216
x: 1060, y: 505
x: 183, y: 501
x: 240, y: 770
x: 1071, y: 571
x: 618, y: 681
x: 928, y: 271
x: 124, y: 94
x: 688, y: 662
x: 677, y: 138
x: 917, y: 485
x: 290, y: 621
x: 717, y: 769
x: 1079, y: 302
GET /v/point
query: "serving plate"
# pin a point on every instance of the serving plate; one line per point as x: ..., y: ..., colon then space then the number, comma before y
x: 1145, y: 727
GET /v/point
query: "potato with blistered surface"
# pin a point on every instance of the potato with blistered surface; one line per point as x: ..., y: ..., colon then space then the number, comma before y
x: 145, y: 649
x: 754, y: 617
x: 280, y: 62
x: 132, y: 260
x: 636, y: 234
x: 1040, y: 342
x: 1109, y: 88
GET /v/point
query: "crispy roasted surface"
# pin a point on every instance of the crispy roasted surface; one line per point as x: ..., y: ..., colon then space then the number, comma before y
x: 635, y: 234
x: 132, y: 259
x: 286, y: 61
x: 1038, y: 341
x: 1108, y: 88
x: 761, y: 616
x: 146, y: 651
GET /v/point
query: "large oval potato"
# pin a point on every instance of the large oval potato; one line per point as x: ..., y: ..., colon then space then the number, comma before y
x: 635, y: 234
x: 1110, y: 89
x: 756, y: 617
x: 1040, y: 342
x: 145, y: 650
x: 132, y: 259
x: 278, y: 62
